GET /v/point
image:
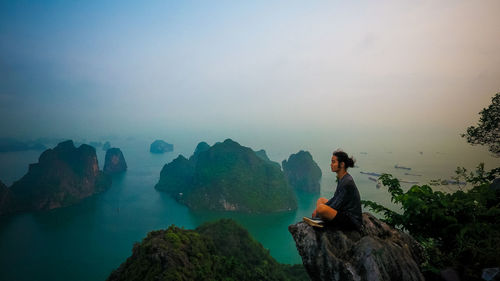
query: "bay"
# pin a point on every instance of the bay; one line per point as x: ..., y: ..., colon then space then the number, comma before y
x: 88, y: 240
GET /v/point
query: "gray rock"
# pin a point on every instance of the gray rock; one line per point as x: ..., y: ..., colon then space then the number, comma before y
x: 377, y: 252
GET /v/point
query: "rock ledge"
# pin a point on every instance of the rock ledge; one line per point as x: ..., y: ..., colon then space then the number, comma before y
x: 377, y: 252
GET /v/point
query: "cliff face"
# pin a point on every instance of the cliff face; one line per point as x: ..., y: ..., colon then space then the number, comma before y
x: 228, y: 177
x: 302, y: 172
x: 114, y: 161
x: 377, y: 252
x: 63, y: 176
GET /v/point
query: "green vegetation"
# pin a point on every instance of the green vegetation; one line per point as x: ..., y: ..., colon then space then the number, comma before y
x: 220, y: 250
x: 460, y: 229
x: 227, y: 176
x: 487, y: 131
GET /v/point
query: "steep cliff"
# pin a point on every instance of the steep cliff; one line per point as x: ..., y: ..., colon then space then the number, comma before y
x: 114, y: 161
x: 302, y: 172
x: 377, y: 252
x: 62, y: 177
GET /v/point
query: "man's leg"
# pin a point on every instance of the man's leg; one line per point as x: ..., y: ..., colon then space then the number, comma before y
x: 321, y: 201
x: 326, y: 212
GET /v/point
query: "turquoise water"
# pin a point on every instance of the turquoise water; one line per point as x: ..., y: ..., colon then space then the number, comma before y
x: 87, y: 241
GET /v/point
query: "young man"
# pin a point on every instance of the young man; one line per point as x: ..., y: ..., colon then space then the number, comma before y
x: 344, y: 208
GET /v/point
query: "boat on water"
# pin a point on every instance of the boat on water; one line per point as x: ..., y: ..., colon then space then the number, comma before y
x: 408, y: 174
x: 401, y: 167
x: 407, y: 181
x: 370, y: 174
x: 373, y: 179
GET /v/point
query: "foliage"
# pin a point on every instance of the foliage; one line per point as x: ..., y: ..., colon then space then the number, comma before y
x: 220, y: 250
x: 487, y: 131
x: 460, y: 229
x: 227, y: 176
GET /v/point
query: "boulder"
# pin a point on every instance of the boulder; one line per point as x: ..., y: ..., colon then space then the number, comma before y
x: 114, y: 161
x: 159, y: 146
x: 376, y: 252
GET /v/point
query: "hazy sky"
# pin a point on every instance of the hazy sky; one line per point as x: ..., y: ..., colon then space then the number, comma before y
x: 113, y: 67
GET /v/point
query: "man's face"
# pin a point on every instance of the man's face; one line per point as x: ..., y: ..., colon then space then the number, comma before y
x: 335, y: 164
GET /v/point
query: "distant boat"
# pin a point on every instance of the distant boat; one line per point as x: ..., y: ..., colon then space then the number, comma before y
x: 401, y: 167
x: 408, y: 174
x: 410, y: 182
x: 373, y: 179
x: 363, y: 153
x: 371, y: 174
x: 453, y: 182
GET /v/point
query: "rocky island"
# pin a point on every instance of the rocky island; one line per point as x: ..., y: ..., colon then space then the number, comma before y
x: 159, y: 146
x: 377, y: 252
x: 302, y: 172
x: 227, y: 177
x: 221, y: 250
x: 63, y: 176
x: 114, y: 161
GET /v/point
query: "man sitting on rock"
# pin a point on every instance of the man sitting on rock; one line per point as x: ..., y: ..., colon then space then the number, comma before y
x: 344, y: 208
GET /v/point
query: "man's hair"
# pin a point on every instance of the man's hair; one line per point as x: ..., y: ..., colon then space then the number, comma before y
x: 343, y: 157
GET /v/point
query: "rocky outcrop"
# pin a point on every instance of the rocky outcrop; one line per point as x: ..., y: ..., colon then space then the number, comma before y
x: 227, y: 177
x: 114, y: 161
x: 159, y: 146
x: 63, y: 176
x: 377, y: 252
x: 302, y: 172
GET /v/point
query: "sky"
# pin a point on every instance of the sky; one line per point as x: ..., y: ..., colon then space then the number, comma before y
x: 119, y: 67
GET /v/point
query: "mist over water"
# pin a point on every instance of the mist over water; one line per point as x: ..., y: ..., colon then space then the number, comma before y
x: 372, y: 78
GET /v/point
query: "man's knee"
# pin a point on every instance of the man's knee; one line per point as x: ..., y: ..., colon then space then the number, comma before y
x: 326, y: 212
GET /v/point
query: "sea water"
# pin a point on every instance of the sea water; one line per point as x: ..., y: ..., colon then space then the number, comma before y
x: 89, y: 240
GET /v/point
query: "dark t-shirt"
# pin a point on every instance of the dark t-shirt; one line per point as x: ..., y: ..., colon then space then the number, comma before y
x: 347, y: 202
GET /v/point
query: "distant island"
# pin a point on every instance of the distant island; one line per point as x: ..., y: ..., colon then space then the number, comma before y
x: 160, y: 146
x: 221, y: 250
x: 302, y: 172
x: 63, y: 176
x: 11, y: 145
x: 114, y: 161
x: 227, y: 177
